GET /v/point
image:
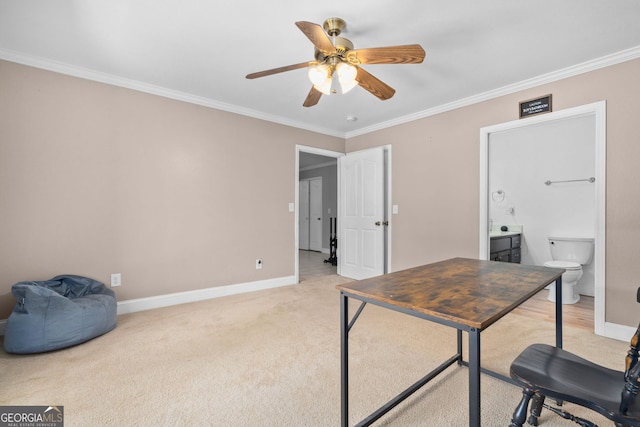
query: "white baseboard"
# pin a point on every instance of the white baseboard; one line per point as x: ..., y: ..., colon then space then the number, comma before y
x: 611, y: 330
x: 618, y: 332
x: 141, y: 304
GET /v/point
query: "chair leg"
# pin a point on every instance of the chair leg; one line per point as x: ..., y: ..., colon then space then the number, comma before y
x: 536, y: 409
x: 520, y: 414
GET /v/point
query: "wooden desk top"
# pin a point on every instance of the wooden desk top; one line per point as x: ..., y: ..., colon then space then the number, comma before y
x: 468, y: 292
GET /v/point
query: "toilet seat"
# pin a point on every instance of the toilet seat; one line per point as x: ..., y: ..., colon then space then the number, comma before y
x: 567, y: 265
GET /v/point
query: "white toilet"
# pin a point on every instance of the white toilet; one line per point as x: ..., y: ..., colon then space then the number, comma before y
x: 570, y: 253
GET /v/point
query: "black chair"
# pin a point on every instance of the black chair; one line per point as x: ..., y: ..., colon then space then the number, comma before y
x: 544, y: 371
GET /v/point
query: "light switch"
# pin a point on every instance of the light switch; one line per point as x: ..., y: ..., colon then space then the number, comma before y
x: 395, y: 209
x: 292, y: 207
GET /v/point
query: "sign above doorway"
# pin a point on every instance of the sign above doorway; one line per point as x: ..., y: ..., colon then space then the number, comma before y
x: 535, y: 106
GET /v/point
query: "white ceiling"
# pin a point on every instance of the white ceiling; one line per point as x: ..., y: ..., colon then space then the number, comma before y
x: 200, y: 50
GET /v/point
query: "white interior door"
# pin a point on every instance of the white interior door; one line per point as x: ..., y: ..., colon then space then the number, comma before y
x: 315, y: 214
x: 360, y: 223
x: 310, y: 214
x: 303, y: 212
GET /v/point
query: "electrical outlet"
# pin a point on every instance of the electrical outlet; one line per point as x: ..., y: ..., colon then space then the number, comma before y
x: 116, y: 280
x: 258, y: 264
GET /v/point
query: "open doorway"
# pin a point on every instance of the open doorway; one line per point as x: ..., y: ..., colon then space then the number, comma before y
x: 362, y: 188
x: 592, y: 118
x: 316, y: 208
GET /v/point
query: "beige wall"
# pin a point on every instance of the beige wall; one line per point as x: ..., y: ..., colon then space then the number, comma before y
x: 96, y: 179
x: 436, y: 171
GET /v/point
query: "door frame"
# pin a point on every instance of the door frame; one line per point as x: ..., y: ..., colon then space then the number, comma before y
x: 296, y: 237
x: 387, y: 196
x: 598, y: 110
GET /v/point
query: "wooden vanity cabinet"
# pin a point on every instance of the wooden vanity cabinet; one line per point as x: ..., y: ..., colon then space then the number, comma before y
x: 505, y: 248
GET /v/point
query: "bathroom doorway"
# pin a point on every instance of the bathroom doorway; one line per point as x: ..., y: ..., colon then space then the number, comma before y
x: 583, y: 128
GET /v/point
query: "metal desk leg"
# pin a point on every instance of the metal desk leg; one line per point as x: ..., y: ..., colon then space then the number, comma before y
x: 459, y: 341
x: 344, y: 358
x: 559, y: 312
x: 474, y: 378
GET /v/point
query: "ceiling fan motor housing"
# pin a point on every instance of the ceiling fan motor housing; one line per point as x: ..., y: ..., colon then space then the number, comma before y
x: 342, y: 46
x: 334, y: 26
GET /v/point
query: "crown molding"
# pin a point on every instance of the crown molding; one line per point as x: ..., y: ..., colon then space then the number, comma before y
x: 585, y: 67
x: 87, y: 74
x: 100, y: 77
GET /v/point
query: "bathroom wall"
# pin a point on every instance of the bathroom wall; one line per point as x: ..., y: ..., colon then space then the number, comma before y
x: 521, y: 161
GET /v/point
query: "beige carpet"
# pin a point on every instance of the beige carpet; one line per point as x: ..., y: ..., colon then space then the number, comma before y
x: 271, y: 358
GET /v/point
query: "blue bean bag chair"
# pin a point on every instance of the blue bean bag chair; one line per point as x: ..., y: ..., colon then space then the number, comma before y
x: 58, y: 313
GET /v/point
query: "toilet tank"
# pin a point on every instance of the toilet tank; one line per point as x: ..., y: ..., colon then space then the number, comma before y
x: 575, y: 249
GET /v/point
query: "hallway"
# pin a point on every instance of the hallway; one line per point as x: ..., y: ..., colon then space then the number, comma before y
x: 312, y: 265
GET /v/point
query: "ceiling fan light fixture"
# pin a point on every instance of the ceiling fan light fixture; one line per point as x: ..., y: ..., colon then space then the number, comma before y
x: 325, y: 86
x: 318, y: 74
x: 347, y: 76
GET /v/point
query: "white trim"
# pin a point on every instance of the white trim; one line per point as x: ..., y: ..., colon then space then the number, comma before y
x: 618, y: 332
x: 296, y: 231
x: 84, y: 73
x: 599, y: 111
x: 585, y: 67
x: 141, y: 304
x: 97, y: 76
x: 388, y: 202
x: 318, y: 151
x: 159, y: 301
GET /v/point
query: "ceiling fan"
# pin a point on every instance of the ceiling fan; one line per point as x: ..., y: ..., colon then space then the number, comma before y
x: 334, y: 54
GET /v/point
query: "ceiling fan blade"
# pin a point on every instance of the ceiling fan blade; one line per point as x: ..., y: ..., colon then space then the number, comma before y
x: 406, y: 54
x: 313, y: 97
x: 374, y: 85
x: 318, y: 37
x: 277, y: 70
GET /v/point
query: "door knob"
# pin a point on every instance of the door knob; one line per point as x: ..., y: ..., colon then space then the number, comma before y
x: 378, y: 223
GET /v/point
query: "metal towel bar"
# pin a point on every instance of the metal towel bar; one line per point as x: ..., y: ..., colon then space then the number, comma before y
x: 592, y: 179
